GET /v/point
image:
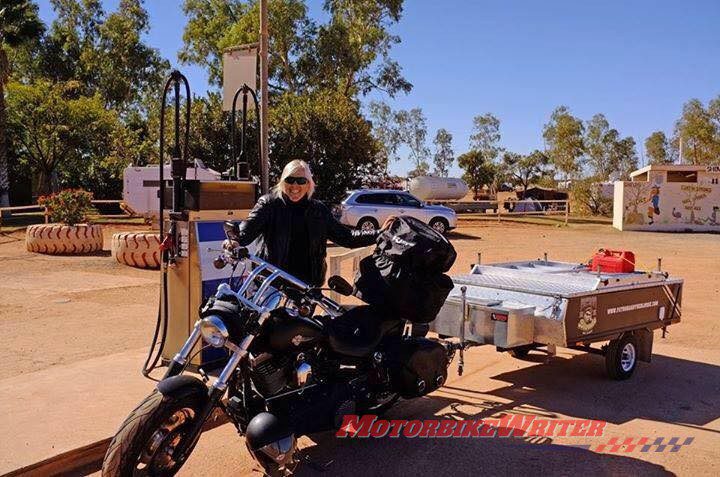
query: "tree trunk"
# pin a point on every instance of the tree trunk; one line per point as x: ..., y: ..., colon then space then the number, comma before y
x: 4, y: 172
x: 44, y: 182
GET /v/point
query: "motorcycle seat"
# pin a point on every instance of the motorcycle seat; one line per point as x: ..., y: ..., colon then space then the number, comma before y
x: 359, y: 330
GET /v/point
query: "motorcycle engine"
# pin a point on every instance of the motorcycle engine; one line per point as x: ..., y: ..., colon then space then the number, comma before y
x: 271, y: 373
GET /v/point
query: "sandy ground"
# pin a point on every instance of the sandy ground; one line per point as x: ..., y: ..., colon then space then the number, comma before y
x: 63, y: 309
x: 60, y: 310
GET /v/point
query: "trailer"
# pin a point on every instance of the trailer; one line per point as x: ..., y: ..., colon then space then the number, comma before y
x: 521, y: 306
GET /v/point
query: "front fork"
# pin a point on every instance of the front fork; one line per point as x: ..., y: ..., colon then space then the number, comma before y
x: 216, y: 391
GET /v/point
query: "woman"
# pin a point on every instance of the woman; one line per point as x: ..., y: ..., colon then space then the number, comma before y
x: 294, y: 228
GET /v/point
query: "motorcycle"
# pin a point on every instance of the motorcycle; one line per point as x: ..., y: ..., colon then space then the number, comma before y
x: 298, y: 362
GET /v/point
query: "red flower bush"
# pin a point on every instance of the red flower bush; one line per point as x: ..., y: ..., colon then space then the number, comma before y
x: 69, y: 206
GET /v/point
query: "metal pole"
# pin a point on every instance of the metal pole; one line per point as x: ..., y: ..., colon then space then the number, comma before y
x: 463, y: 318
x: 265, y: 169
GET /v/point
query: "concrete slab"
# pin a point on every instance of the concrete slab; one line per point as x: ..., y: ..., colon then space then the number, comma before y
x: 62, y: 408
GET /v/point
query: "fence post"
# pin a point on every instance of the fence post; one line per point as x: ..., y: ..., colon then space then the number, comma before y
x: 47, y: 215
x: 567, y: 211
x: 498, y: 211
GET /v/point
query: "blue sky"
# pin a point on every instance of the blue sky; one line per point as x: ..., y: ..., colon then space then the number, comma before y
x: 636, y: 61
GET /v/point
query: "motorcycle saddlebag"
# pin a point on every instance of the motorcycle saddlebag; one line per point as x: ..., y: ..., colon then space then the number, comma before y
x: 420, y: 367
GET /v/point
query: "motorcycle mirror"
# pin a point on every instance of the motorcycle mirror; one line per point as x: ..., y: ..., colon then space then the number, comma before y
x: 231, y: 230
x: 219, y: 263
x: 339, y: 285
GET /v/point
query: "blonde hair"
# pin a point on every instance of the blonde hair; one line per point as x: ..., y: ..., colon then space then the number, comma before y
x: 291, y: 168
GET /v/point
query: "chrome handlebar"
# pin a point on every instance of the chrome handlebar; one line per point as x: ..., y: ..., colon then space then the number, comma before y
x: 253, y: 300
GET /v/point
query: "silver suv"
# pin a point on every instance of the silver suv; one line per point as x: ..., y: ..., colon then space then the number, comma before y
x: 368, y: 209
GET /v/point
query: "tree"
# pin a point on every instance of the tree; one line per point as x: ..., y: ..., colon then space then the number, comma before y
x: 699, y: 133
x: 486, y: 136
x: 349, y: 53
x: 525, y: 170
x: 386, y: 131
x: 126, y: 70
x: 444, y: 155
x: 599, y: 139
x: 319, y: 128
x: 63, y: 136
x: 588, y: 197
x: 564, y: 137
x: 413, y: 133
x: 19, y: 24
x: 657, y: 148
x: 624, y: 159
x: 478, y: 171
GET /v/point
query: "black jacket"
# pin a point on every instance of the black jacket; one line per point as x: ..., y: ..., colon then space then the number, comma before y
x: 269, y: 220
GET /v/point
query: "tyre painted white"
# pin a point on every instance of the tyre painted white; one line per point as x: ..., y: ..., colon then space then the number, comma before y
x: 58, y: 239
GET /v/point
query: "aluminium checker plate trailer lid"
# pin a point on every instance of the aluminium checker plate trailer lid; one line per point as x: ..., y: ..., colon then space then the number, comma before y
x: 518, y: 306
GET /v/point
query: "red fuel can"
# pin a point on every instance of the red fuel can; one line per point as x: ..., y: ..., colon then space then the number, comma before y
x: 613, y: 261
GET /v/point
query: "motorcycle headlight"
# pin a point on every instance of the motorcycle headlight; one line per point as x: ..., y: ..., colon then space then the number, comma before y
x: 214, y: 331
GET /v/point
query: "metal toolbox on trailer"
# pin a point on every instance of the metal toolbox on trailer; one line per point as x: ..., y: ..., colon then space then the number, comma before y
x: 541, y: 302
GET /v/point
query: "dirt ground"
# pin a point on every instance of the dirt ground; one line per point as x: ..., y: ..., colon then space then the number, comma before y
x: 58, y: 310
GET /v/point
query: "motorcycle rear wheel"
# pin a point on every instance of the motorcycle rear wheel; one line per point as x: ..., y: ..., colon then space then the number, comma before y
x: 145, y: 443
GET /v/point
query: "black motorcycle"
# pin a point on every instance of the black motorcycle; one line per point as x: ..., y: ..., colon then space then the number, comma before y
x: 298, y: 362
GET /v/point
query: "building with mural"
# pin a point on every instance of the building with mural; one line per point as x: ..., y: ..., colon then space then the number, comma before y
x: 669, y: 198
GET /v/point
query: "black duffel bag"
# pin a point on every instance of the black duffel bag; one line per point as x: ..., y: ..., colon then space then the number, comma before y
x: 405, y: 273
x: 413, y: 245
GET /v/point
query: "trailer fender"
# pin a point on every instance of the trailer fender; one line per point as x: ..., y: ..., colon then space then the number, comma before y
x: 644, y: 339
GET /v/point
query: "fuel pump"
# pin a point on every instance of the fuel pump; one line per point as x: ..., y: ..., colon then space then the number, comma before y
x: 192, y: 227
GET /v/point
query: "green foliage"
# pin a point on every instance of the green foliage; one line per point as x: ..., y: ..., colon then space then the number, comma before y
x: 587, y: 197
x: 657, y: 148
x: 385, y: 130
x: 66, y: 138
x: 444, y: 155
x: 564, y: 137
x: 623, y: 158
x: 478, y: 171
x: 486, y: 136
x: 523, y: 170
x: 69, y: 206
x: 19, y: 24
x: 349, y: 53
x: 412, y: 127
x: 699, y: 131
x: 326, y: 130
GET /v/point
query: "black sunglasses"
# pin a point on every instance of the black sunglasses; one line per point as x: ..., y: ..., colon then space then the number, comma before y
x: 296, y: 180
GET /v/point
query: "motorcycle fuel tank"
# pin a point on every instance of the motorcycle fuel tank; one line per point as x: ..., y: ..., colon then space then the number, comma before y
x: 294, y: 333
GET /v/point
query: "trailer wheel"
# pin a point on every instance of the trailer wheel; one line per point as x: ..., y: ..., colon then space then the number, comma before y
x: 621, y: 357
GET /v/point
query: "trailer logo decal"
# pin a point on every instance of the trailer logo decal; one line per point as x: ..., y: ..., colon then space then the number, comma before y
x: 588, y: 314
x: 633, y: 307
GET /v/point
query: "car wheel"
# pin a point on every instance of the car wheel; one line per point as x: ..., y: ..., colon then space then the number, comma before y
x: 368, y: 224
x: 440, y: 225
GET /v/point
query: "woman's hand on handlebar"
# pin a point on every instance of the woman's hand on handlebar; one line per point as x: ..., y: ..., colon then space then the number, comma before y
x: 388, y: 223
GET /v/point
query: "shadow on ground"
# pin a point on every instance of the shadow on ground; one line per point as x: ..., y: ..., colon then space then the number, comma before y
x: 463, y: 456
x: 671, y: 390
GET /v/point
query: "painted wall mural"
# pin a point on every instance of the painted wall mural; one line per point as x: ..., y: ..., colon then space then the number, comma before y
x: 667, y: 206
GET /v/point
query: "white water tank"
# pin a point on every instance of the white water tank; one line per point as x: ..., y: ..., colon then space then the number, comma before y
x: 438, y: 188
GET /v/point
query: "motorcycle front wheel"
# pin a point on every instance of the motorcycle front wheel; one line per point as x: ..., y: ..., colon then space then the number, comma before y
x: 146, y: 441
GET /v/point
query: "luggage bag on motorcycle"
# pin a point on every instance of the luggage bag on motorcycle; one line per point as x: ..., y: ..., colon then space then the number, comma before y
x: 420, y: 367
x: 413, y: 245
x: 405, y: 272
